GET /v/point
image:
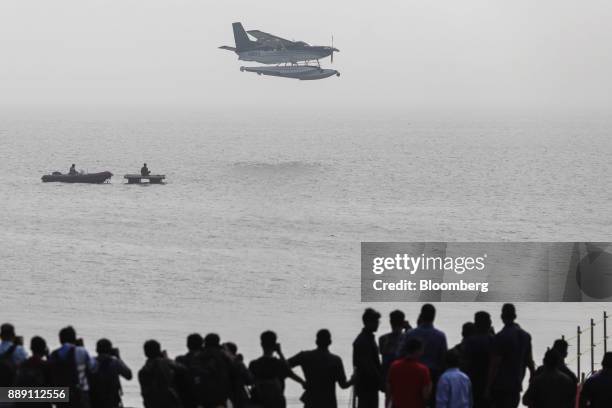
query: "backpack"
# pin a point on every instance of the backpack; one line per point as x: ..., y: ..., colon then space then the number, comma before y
x: 215, y: 387
x: 157, y: 382
x: 189, y: 381
x: 64, y: 371
x: 104, y: 385
x: 30, y: 375
x: 8, y: 369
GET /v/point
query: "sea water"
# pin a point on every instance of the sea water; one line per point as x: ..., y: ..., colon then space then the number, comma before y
x: 260, y: 222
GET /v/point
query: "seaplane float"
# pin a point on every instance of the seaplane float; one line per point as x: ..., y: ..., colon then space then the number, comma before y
x: 301, y: 72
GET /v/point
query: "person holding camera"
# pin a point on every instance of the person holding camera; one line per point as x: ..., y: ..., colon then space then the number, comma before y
x: 388, y: 343
x: 105, y: 385
x: 12, y: 354
x: 69, y: 366
x: 158, y: 378
x: 34, y: 372
x: 269, y: 374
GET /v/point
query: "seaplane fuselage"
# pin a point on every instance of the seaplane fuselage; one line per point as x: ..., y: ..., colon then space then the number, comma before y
x: 283, y: 56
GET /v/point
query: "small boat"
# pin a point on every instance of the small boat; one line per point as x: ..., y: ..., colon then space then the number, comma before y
x: 137, y: 178
x: 92, y: 178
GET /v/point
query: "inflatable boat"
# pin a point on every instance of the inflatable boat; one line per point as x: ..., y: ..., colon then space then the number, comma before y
x: 93, y: 178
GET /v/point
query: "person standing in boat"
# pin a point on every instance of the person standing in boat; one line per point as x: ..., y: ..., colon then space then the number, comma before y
x: 144, y: 171
x: 72, y: 170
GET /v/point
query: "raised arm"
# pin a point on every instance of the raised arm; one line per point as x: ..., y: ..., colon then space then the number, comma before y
x: 123, y: 369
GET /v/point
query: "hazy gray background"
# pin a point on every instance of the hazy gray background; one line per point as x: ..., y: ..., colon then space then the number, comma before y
x: 395, y: 54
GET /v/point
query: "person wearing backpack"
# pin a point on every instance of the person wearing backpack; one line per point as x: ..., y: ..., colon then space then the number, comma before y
x: 34, y: 372
x: 12, y: 355
x: 104, y: 383
x: 158, y: 378
x: 217, y: 374
x: 189, y: 385
x: 70, y: 366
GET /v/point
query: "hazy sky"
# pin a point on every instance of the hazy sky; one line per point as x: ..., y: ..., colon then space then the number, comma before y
x: 395, y: 54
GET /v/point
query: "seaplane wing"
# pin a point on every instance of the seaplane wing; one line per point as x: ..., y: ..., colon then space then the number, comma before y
x: 269, y: 38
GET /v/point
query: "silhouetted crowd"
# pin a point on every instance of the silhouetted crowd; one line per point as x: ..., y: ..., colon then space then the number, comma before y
x: 410, y: 367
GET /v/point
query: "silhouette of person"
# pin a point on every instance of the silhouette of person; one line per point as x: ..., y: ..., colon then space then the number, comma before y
x: 476, y: 357
x: 144, y: 170
x: 435, y: 344
x: 12, y: 354
x: 322, y: 370
x: 454, y: 388
x: 34, y: 372
x: 388, y: 343
x: 467, y: 330
x: 269, y: 374
x: 409, y: 381
x: 511, y: 356
x: 72, y: 170
x: 104, y: 376
x: 69, y: 365
x: 189, y: 385
x: 242, y: 376
x: 158, y: 378
x: 560, y: 346
x: 218, y: 374
x: 597, y: 390
x: 366, y: 362
x: 551, y: 388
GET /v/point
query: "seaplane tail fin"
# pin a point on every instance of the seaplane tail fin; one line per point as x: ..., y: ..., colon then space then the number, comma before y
x: 242, y: 39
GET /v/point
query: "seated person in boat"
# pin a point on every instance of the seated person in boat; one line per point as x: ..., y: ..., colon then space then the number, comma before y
x: 144, y: 171
x: 72, y: 170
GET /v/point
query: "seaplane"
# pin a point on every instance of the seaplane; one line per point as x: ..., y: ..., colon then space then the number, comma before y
x: 293, y: 59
